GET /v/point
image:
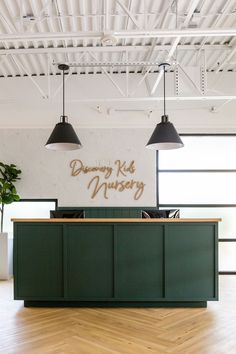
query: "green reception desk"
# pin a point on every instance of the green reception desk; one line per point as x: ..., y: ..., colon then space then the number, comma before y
x: 116, y: 262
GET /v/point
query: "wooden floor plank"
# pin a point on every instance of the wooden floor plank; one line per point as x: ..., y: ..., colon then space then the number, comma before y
x: 208, y: 330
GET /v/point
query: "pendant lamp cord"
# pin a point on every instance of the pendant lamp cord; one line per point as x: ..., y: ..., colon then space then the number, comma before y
x: 164, y: 82
x: 63, y: 95
x: 63, y: 67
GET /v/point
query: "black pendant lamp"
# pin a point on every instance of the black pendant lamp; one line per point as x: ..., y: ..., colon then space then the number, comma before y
x: 63, y: 137
x: 165, y: 136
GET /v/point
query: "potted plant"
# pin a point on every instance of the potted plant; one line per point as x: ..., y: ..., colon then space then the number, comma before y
x: 9, y: 174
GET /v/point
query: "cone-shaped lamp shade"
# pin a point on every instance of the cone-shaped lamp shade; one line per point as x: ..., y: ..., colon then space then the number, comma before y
x: 165, y: 136
x: 63, y: 138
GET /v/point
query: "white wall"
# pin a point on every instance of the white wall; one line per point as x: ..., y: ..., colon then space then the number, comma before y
x: 22, y: 104
x: 47, y: 174
x: 118, y: 130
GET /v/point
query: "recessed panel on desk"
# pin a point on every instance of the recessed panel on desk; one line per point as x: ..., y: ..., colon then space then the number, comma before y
x: 90, y: 261
x: 190, y: 261
x: 139, y: 261
x: 38, y: 261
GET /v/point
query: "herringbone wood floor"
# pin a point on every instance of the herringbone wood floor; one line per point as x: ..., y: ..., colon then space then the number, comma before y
x: 113, y: 331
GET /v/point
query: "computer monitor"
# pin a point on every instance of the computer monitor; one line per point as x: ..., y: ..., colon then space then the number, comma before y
x: 166, y: 213
x: 70, y: 214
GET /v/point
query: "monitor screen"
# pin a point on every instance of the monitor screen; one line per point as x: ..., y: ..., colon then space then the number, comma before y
x: 171, y: 213
x: 70, y: 214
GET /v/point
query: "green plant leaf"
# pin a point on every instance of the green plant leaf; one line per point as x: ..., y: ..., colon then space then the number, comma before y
x: 8, y: 194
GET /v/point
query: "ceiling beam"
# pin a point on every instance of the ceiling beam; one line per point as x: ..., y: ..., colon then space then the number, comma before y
x: 232, y: 53
x: 130, y: 15
x: 156, y: 99
x: 199, y: 32
x: 125, y: 48
x: 221, y: 16
x: 110, y: 77
x: 168, y: 58
x: 162, y: 23
x: 182, y: 33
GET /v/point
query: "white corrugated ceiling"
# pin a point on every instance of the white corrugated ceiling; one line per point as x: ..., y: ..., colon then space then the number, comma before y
x: 36, y: 35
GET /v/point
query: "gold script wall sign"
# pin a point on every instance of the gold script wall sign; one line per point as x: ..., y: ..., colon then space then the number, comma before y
x: 103, y: 183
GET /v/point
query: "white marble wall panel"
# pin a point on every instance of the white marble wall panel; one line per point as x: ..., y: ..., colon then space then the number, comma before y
x: 47, y: 174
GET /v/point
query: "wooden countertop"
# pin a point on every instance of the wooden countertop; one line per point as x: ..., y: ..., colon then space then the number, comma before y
x: 89, y: 220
